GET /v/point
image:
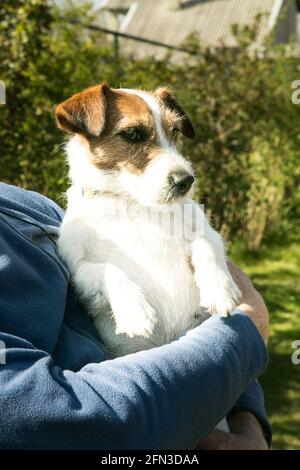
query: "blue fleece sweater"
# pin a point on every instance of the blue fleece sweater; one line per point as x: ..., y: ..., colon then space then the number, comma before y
x: 57, y: 391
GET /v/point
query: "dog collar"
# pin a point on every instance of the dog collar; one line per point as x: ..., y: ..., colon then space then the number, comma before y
x: 91, y: 193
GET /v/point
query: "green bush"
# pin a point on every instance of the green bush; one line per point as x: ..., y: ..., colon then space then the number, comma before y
x: 246, y: 153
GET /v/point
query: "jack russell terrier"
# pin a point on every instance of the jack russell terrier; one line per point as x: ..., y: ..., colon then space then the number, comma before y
x: 142, y: 255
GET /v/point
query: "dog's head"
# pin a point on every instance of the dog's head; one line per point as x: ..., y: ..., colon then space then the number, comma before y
x: 130, y: 136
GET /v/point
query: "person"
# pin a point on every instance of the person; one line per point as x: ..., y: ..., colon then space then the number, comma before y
x: 57, y: 389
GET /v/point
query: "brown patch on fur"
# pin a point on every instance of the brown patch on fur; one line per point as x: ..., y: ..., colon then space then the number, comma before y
x: 164, y: 94
x: 190, y: 263
x: 170, y: 121
x: 83, y: 113
x: 110, y: 151
x: 100, y: 114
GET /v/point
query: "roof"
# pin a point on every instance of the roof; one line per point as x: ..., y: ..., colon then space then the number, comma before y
x: 118, y: 4
x: 160, y: 20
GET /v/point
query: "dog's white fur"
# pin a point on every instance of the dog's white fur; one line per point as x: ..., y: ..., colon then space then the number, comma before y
x: 134, y: 278
x: 133, y: 275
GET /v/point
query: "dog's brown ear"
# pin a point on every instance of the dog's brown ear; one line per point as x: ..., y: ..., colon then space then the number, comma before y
x: 166, y: 96
x: 84, y: 113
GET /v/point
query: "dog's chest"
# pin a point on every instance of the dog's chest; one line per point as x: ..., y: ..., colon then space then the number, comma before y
x: 154, y: 256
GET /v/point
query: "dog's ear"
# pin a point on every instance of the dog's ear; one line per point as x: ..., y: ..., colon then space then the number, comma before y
x: 84, y: 113
x: 168, y: 99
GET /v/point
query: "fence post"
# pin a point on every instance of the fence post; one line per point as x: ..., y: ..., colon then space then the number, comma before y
x: 116, y: 45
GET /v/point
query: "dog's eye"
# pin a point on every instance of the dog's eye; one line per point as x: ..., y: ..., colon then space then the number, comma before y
x: 134, y: 135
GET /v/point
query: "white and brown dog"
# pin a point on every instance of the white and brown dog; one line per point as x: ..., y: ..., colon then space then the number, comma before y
x: 144, y: 281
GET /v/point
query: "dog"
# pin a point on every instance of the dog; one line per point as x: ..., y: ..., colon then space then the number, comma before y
x: 143, y: 256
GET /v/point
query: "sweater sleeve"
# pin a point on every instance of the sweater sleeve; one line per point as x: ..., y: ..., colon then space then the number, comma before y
x: 165, y: 398
x: 252, y: 400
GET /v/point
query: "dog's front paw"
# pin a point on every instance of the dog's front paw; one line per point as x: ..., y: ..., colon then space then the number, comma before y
x: 221, y: 297
x: 134, y: 316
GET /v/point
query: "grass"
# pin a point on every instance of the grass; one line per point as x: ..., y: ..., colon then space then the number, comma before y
x: 275, y: 272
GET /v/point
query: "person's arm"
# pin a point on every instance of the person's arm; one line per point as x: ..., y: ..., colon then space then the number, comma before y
x: 246, y: 434
x: 249, y: 426
x: 166, y: 398
x: 169, y: 397
x: 248, y: 423
x: 252, y: 302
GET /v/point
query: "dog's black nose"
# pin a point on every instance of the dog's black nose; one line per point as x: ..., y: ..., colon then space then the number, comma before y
x: 181, y: 182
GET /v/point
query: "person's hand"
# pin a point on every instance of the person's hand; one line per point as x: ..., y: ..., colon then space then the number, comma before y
x: 245, y: 430
x: 245, y: 434
x: 252, y: 302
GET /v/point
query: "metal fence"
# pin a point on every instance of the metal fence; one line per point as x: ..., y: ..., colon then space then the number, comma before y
x: 117, y: 35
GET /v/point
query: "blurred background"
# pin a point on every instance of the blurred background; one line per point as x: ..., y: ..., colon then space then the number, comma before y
x: 232, y: 65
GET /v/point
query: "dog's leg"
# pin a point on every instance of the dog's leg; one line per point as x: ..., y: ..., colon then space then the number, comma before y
x: 133, y: 315
x: 103, y: 284
x: 218, y: 291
